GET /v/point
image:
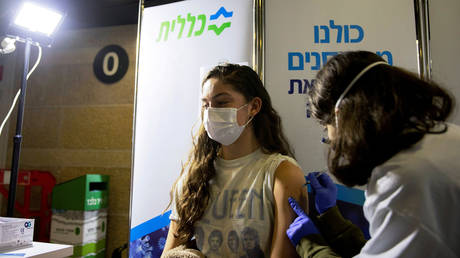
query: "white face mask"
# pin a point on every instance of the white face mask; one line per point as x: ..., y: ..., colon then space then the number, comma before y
x: 221, y: 124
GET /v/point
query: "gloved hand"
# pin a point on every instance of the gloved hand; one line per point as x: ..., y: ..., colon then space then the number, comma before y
x: 325, y: 191
x: 302, y: 225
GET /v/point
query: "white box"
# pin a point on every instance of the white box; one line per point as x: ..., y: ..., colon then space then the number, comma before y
x: 85, y: 230
x: 16, y: 233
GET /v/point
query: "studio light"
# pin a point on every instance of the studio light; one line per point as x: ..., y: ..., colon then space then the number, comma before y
x: 33, y: 25
x: 38, y: 19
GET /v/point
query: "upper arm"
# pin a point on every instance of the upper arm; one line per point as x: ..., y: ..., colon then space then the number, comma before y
x: 171, y: 240
x: 289, y: 182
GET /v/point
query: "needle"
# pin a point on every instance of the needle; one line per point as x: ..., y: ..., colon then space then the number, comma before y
x: 317, y: 175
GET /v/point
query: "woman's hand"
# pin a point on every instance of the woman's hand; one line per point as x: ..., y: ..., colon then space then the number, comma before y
x: 302, y: 225
x: 324, y: 190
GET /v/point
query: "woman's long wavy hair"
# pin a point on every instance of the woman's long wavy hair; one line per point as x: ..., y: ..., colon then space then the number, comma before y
x: 387, y: 110
x: 193, y: 198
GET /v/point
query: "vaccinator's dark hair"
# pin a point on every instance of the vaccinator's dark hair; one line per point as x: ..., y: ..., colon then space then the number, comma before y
x: 192, y: 199
x: 387, y: 110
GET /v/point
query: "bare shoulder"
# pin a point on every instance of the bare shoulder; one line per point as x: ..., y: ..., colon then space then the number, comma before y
x: 289, y: 182
x: 289, y: 174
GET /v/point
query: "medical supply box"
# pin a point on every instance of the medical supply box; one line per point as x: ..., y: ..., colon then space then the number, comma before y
x: 16, y: 233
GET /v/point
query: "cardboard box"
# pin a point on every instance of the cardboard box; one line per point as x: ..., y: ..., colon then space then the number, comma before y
x: 85, y: 230
x: 16, y: 233
x: 79, y: 216
x: 88, y: 192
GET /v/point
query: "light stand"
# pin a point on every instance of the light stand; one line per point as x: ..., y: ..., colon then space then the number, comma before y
x: 34, y: 25
x: 18, y: 136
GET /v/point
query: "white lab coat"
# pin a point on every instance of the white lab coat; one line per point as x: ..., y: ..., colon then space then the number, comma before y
x: 413, y: 200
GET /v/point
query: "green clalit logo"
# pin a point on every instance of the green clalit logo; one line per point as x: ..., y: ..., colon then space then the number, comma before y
x: 178, y: 25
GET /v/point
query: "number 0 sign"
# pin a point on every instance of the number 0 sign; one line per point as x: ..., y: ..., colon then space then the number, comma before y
x: 111, y: 64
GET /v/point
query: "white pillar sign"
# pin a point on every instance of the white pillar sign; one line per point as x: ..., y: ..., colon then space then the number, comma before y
x: 176, y: 41
x: 302, y: 35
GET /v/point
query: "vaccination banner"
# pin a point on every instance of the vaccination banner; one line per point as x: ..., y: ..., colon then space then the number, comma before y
x: 178, y: 43
x: 302, y: 35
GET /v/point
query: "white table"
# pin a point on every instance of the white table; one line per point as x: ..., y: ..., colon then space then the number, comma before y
x: 40, y: 249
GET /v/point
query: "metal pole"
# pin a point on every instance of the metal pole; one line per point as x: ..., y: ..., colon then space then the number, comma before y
x: 18, y: 137
x: 423, y: 37
x: 258, y: 50
x: 427, y: 39
x: 255, y: 17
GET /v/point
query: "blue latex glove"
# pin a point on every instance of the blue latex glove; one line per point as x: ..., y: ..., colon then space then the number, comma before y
x: 302, y: 225
x: 325, y: 191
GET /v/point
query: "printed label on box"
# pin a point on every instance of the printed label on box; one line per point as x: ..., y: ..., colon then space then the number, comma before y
x: 78, y: 227
x: 15, y: 232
